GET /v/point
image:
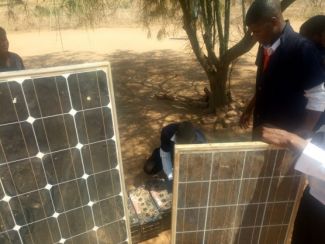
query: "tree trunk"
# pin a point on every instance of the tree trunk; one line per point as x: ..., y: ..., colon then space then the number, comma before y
x: 218, y: 86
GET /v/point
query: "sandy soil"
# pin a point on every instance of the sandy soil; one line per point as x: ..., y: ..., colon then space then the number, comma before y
x: 141, y: 69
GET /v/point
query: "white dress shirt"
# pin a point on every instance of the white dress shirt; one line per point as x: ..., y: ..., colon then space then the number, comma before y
x: 312, y: 163
x: 316, y: 98
x: 166, y: 160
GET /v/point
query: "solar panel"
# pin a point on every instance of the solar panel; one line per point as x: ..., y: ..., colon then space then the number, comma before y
x: 233, y: 193
x: 61, y: 176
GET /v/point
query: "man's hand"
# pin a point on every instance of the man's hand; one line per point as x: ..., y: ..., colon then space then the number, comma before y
x: 247, y: 114
x: 283, y: 138
x: 245, y: 119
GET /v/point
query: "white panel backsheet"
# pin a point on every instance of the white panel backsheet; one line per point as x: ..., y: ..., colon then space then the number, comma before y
x: 233, y: 193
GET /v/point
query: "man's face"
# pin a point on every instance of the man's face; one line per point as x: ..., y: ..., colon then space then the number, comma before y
x: 4, y: 44
x: 263, y: 32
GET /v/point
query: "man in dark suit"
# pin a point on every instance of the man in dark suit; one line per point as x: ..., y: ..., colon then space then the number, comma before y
x: 290, y: 77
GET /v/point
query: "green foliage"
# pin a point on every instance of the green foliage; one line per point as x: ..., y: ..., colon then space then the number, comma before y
x: 164, y: 13
x: 125, y: 4
x: 87, y: 12
x: 41, y: 11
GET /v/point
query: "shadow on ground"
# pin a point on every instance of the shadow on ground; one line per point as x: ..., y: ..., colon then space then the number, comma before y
x: 139, y: 80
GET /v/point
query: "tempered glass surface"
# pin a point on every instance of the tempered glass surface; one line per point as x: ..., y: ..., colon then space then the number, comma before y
x: 94, y: 125
x: 70, y: 195
x: 2, y: 194
x: 86, y: 238
x: 88, y: 90
x: 76, y: 222
x: 55, y: 133
x: 112, y: 233
x: 45, y: 231
x: 6, y: 220
x: 20, y: 177
x: 31, y: 207
x: 109, y: 179
x: 17, y: 142
x: 47, y: 96
x: 99, y: 157
x: 12, y: 103
x: 108, y: 211
x: 235, y: 196
x: 63, y: 166
x: 9, y: 237
x: 59, y: 175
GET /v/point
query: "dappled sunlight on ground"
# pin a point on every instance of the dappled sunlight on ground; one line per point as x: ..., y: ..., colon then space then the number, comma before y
x: 153, y: 89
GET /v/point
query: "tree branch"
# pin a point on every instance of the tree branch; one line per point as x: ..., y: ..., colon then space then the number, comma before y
x: 285, y: 4
x: 191, y: 30
x: 227, y: 24
x: 219, y: 26
x: 208, y: 35
x: 243, y: 11
x: 243, y: 46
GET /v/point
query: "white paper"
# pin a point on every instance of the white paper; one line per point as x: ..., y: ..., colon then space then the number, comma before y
x: 317, y: 189
x: 312, y: 162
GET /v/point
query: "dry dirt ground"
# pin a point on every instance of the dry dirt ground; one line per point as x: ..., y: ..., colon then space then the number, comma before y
x: 142, y: 69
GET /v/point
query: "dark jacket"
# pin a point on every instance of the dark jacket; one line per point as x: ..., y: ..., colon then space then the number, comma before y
x: 294, y: 67
x: 15, y: 61
x: 167, y: 133
x: 321, y: 121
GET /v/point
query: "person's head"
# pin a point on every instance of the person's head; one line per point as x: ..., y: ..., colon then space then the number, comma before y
x: 264, y: 19
x: 4, y: 43
x: 185, y: 133
x: 314, y: 29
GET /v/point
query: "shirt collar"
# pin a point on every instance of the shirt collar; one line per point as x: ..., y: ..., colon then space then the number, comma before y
x: 173, y: 138
x: 272, y: 48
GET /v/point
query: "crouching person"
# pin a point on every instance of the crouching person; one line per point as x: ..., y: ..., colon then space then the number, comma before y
x: 162, y: 157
